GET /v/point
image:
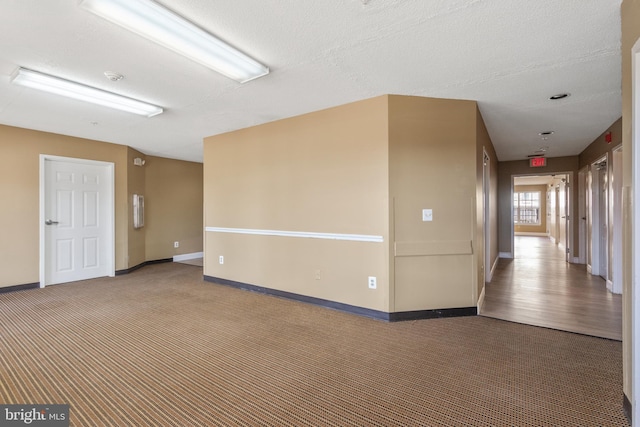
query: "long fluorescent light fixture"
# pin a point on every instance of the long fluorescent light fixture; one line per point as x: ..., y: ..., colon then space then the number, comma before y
x: 152, y: 21
x: 58, y: 86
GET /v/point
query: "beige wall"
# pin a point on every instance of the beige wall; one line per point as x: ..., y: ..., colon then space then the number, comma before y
x: 324, y: 172
x: 599, y: 147
x: 20, y: 151
x: 484, y: 144
x: 432, y: 165
x: 630, y: 13
x: 506, y: 172
x: 368, y: 168
x: 173, y: 199
x: 135, y: 185
x: 542, y: 228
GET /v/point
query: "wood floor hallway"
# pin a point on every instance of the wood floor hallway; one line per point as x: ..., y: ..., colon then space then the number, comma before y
x: 538, y: 287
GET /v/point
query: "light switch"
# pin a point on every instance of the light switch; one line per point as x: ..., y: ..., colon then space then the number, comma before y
x: 427, y: 214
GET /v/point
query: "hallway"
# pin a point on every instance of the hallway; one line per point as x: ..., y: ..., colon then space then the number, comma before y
x: 538, y: 287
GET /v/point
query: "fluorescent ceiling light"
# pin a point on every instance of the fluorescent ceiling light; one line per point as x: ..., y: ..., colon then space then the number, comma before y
x: 74, y: 90
x: 154, y: 22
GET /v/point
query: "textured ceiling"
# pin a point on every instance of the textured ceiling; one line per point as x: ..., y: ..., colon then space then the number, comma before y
x: 509, y: 55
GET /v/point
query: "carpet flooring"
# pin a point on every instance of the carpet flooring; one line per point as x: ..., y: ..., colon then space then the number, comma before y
x: 160, y: 347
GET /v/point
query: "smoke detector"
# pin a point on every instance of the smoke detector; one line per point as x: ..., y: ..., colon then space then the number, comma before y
x: 113, y: 76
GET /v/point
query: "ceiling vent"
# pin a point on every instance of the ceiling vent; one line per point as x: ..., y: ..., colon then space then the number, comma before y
x: 113, y: 76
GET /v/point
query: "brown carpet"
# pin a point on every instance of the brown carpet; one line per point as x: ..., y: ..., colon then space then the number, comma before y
x: 161, y: 347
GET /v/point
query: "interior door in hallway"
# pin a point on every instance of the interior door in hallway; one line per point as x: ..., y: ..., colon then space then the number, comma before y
x: 78, y: 220
x: 603, y: 198
x: 562, y: 215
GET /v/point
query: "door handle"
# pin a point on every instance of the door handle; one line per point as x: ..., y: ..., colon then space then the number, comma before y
x: 50, y: 222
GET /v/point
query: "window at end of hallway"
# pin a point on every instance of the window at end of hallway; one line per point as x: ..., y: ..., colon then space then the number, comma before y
x: 526, y: 208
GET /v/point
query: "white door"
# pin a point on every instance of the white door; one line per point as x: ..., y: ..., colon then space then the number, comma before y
x: 561, y: 216
x: 616, y: 219
x: 604, y: 223
x: 78, y: 220
x: 566, y: 214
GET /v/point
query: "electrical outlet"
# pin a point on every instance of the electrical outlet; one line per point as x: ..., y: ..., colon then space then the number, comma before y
x: 221, y: 259
x: 318, y: 274
x: 176, y: 244
x: 372, y: 282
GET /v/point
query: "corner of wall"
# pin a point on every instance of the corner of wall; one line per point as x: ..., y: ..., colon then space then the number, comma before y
x: 135, y: 185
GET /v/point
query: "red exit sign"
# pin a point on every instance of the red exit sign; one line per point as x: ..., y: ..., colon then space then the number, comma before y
x: 538, y: 162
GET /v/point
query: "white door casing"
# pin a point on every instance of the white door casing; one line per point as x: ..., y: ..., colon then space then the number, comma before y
x: 616, y: 226
x: 76, y: 220
x: 603, y: 206
x: 561, y: 215
x: 634, y: 197
x: 582, y: 216
x: 486, y: 208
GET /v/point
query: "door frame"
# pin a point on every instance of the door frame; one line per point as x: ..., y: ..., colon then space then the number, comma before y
x: 109, y: 168
x: 634, y: 195
x: 486, y: 213
x: 582, y: 215
x: 596, y: 219
x: 615, y: 223
x: 570, y: 178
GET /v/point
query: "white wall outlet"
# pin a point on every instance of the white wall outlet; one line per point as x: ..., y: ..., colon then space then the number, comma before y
x: 318, y: 272
x: 176, y: 244
x: 221, y: 259
x: 372, y: 282
x: 427, y: 214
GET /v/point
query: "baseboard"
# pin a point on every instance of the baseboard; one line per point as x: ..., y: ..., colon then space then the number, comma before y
x: 505, y: 255
x: 493, y: 269
x: 481, y: 299
x: 143, y: 264
x: 19, y: 287
x: 352, y: 309
x: 589, y: 269
x: 609, y: 285
x: 613, y: 288
x: 187, y: 257
x: 627, y: 408
x: 399, y: 316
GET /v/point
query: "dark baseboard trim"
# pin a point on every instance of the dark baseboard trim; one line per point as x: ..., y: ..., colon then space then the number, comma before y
x: 136, y: 267
x: 20, y: 287
x: 360, y: 311
x: 433, y: 314
x: 626, y: 407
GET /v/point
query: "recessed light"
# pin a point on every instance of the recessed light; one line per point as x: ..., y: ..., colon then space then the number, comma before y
x: 546, y: 133
x: 559, y: 96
